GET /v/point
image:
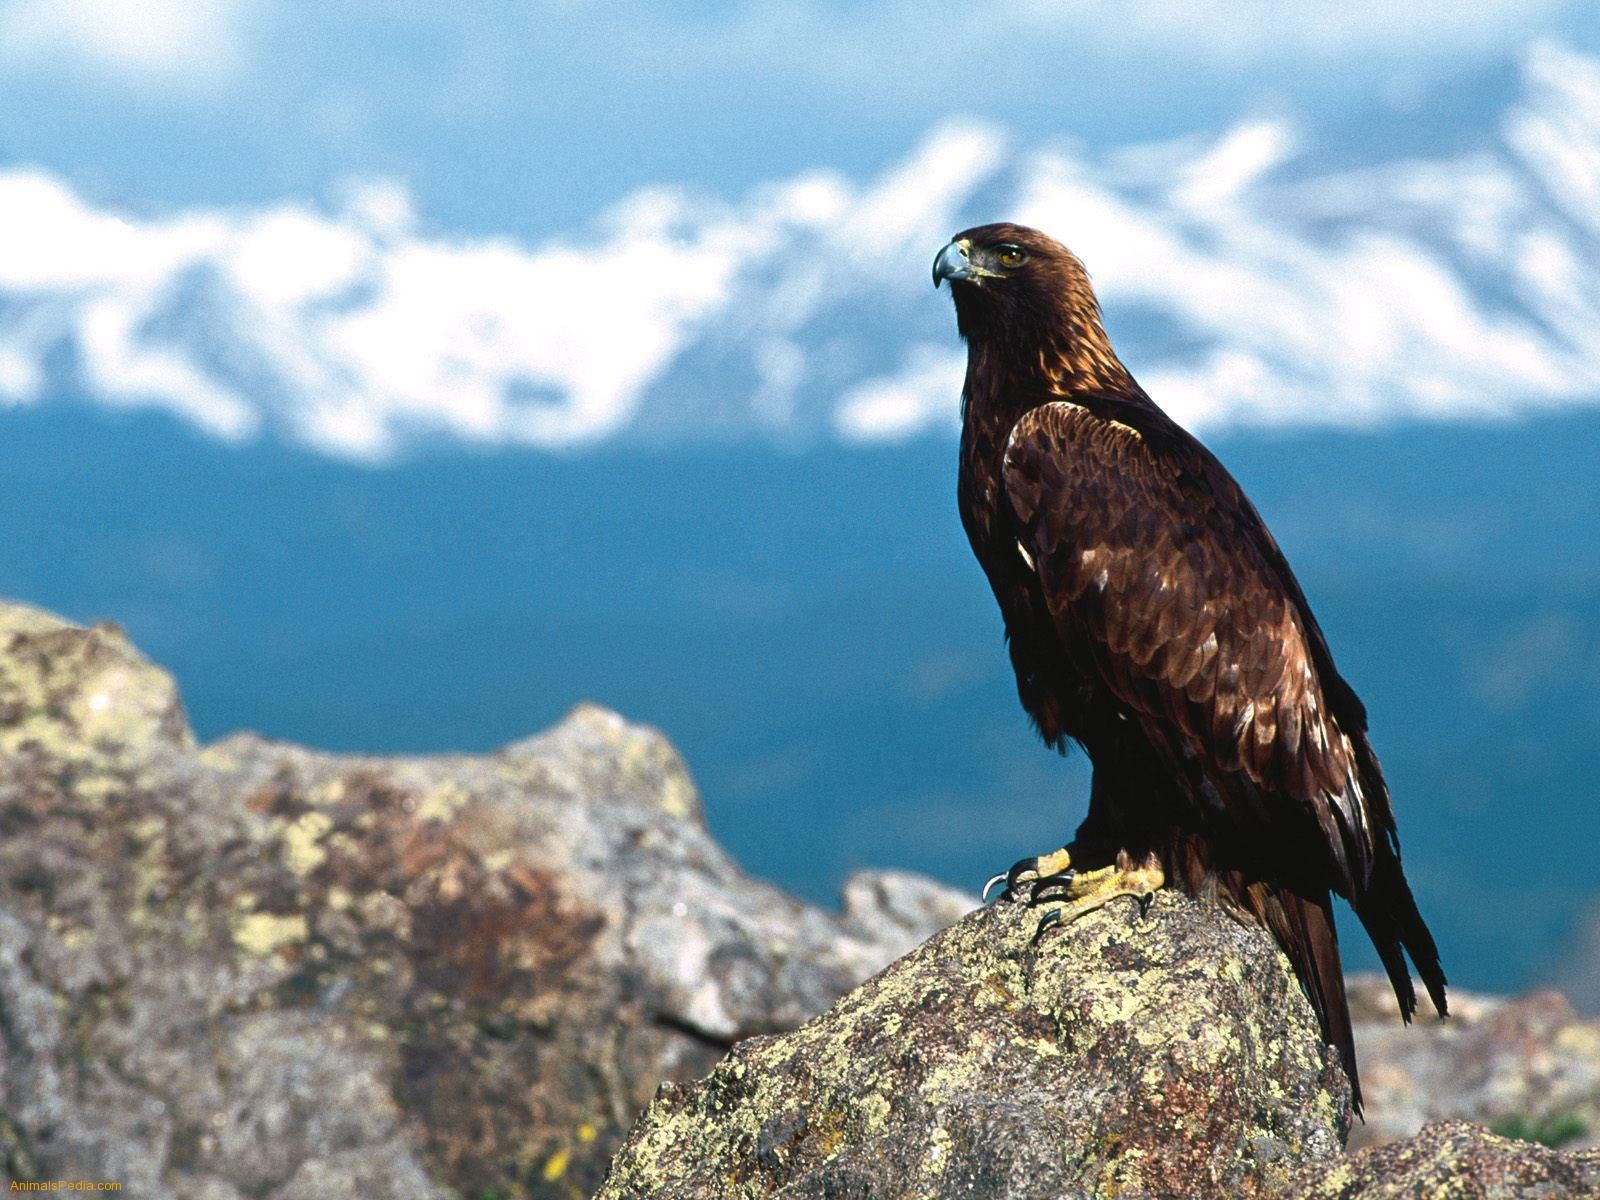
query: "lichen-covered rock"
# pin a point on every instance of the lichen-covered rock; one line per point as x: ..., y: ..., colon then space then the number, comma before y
x: 1452, y: 1160
x: 1168, y: 1053
x: 1529, y: 1065
x: 253, y: 970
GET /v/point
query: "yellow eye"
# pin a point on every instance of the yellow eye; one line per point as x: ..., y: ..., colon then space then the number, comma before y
x: 1012, y: 256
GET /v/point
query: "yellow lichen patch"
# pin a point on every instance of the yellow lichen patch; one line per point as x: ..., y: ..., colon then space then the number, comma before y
x: 218, y: 758
x: 874, y: 1110
x: 96, y: 789
x: 938, y: 1149
x: 302, y: 849
x: 76, y: 692
x: 1116, y: 1007
x: 263, y: 933
x: 327, y: 793
x: 1337, y: 1180
x: 677, y: 796
x: 947, y: 1078
x: 556, y: 1166
x: 441, y: 803
x: 587, y: 1133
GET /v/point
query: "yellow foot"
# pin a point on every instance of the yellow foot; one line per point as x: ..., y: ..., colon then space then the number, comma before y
x: 1055, y: 867
x: 1094, y: 889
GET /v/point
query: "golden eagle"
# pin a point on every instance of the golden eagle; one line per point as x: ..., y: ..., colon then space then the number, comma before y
x: 1153, y: 620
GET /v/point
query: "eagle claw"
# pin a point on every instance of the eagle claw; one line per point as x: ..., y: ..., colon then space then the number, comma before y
x: 1047, y: 870
x: 1050, y: 919
x: 1039, y: 887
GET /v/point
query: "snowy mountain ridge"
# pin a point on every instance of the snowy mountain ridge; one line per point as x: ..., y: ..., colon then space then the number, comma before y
x: 1244, y: 284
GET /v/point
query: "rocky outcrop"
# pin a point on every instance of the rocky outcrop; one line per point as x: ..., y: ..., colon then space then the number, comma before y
x: 1528, y: 1066
x: 1165, y: 1053
x: 253, y: 970
x: 1453, y: 1160
x: 249, y: 969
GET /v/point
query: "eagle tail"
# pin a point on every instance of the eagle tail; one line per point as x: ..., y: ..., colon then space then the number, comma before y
x: 1302, y: 923
x: 1389, y: 912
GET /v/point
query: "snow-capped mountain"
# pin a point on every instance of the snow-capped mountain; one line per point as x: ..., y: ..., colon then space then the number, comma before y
x: 1246, y: 281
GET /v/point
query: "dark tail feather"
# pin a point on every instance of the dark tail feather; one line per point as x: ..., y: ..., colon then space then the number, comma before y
x: 1303, y: 926
x: 1390, y: 915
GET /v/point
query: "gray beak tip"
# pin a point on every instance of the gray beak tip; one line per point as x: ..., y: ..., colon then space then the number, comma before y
x: 951, y: 264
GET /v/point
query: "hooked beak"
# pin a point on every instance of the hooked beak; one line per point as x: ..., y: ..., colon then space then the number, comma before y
x: 953, y: 263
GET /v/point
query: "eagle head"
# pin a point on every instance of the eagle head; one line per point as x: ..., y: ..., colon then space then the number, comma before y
x: 1021, y: 289
x: 1012, y: 276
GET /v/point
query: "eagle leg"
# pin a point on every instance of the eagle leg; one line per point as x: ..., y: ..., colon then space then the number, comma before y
x: 1095, y: 889
x: 1055, y: 866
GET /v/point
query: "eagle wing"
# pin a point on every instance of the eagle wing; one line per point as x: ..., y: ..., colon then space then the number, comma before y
x: 1146, y: 548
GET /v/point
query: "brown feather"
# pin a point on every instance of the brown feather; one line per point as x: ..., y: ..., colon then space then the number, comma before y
x: 1153, y: 619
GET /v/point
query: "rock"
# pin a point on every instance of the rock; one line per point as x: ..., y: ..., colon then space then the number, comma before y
x: 1453, y: 1160
x: 251, y: 969
x: 1163, y: 1054
x: 1529, y: 1066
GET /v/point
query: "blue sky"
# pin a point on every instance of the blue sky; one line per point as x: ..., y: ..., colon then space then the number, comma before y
x: 523, y: 118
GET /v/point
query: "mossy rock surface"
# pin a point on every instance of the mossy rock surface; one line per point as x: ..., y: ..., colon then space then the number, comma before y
x: 1163, y: 1053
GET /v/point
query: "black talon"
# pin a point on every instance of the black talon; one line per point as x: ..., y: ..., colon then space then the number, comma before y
x: 1020, y: 868
x: 1145, y: 901
x: 994, y: 880
x: 1041, y: 886
x: 1050, y: 919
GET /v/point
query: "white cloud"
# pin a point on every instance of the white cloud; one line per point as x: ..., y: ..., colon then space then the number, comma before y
x: 917, y: 398
x: 1441, y: 289
x: 1350, y: 325
x: 354, y: 333
x: 183, y: 43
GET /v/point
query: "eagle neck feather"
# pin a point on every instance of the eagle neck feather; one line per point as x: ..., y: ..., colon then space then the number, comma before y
x: 1038, y: 349
x: 1013, y: 372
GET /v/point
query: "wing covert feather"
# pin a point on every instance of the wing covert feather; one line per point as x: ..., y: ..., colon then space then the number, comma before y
x: 1154, y: 552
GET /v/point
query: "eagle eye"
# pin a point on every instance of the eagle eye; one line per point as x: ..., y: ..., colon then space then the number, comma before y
x: 1011, y: 256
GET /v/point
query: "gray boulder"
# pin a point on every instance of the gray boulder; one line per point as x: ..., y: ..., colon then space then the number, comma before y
x: 1528, y: 1065
x: 254, y: 970
x: 1454, y: 1160
x: 1168, y: 1053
